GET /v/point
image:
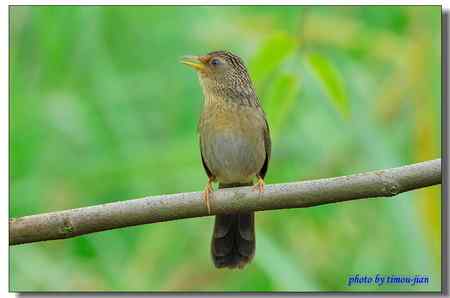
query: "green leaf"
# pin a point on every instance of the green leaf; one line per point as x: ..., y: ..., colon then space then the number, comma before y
x: 280, y: 99
x: 331, y: 81
x: 281, y: 267
x: 271, y: 54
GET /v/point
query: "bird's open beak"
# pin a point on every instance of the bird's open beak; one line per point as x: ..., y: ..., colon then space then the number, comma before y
x: 194, y: 62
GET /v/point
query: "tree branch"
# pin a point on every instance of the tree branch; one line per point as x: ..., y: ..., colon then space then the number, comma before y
x: 80, y: 221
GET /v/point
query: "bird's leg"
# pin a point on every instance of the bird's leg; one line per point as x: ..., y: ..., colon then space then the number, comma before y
x: 208, y: 190
x: 259, y: 184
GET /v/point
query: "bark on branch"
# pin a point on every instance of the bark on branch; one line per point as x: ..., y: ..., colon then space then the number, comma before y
x: 80, y: 221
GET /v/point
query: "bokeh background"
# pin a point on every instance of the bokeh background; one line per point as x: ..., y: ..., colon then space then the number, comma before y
x: 101, y: 110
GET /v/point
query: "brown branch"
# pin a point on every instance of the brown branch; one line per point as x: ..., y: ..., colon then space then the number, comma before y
x: 80, y: 221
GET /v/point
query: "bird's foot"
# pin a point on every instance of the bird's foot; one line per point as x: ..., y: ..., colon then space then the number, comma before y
x: 206, y: 193
x: 259, y: 186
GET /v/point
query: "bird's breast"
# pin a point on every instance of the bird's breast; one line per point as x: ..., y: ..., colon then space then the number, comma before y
x: 232, y: 142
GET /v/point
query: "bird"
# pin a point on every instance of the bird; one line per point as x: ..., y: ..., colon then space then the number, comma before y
x: 235, y: 148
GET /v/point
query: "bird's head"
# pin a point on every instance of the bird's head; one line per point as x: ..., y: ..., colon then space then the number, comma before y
x: 220, y: 72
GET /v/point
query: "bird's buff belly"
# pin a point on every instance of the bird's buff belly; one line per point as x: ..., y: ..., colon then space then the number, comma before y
x: 231, y: 157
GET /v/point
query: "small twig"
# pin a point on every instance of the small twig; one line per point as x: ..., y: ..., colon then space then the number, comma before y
x: 75, y: 222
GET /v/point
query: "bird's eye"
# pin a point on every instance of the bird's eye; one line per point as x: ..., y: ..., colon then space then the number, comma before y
x: 215, y: 62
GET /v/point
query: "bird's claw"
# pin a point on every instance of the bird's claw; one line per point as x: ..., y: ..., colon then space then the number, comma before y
x: 208, y: 190
x: 259, y: 186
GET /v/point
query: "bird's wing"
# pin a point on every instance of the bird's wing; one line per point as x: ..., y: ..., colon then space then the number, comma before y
x: 208, y: 171
x: 268, y: 148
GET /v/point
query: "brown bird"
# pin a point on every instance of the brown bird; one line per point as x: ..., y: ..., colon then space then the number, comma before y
x: 235, y: 148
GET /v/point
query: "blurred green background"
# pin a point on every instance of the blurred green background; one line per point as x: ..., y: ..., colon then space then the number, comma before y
x: 101, y: 110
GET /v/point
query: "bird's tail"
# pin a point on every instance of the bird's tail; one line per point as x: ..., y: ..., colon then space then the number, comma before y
x: 233, y: 240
